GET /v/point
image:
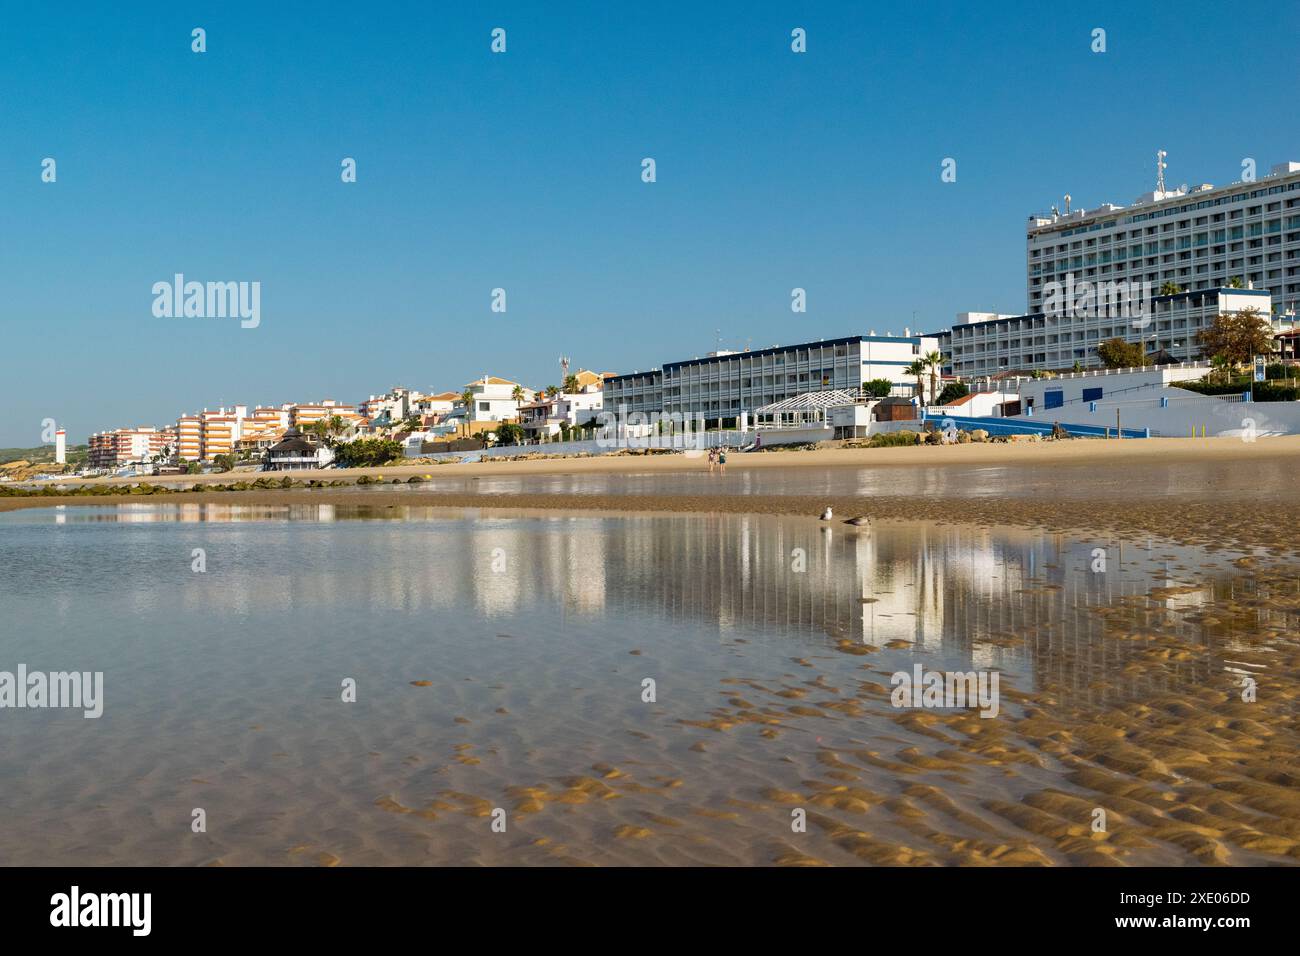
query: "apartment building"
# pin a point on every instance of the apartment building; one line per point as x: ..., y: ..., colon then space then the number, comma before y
x: 225, y: 431
x: 723, y: 385
x: 301, y: 415
x: 1095, y: 274
x: 1198, y: 238
x: 189, y: 437
x: 640, y: 393
x: 263, y: 427
x: 203, y: 436
x: 221, y: 430
x: 124, y: 446
x: 980, y: 345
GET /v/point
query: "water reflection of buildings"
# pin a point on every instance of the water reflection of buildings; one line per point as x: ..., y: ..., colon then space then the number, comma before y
x: 962, y: 596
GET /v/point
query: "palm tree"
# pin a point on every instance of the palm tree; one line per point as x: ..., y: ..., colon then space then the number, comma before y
x: 1170, y: 288
x: 1234, y: 283
x: 552, y: 391
x: 571, y: 384
x: 517, y: 394
x: 467, y: 398
x: 934, y: 362
x: 917, y: 368
x: 333, y: 427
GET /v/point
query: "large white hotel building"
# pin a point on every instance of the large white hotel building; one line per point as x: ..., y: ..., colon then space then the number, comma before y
x: 722, y: 385
x: 1202, y: 239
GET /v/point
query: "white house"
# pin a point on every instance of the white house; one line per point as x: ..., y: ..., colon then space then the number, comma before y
x: 544, y: 417
x: 974, y: 405
x: 492, y: 400
x: 440, y: 404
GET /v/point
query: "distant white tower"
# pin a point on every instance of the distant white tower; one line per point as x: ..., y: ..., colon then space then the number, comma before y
x: 60, y: 447
x: 1161, y: 166
x: 564, y: 370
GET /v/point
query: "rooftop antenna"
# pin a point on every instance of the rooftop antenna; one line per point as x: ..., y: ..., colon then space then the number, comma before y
x: 1161, y: 166
x: 564, y: 369
x: 718, y: 334
x: 1067, y: 204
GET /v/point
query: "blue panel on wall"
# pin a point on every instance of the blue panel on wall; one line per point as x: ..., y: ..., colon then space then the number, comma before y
x: 1091, y: 394
x: 1054, y: 398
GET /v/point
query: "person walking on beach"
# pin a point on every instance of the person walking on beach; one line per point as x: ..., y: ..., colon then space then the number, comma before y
x: 722, y: 461
x: 713, y: 459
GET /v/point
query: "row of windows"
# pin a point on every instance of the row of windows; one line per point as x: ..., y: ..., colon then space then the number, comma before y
x: 1239, y: 237
x: 1255, y: 212
x: 1182, y: 349
x: 1191, y: 207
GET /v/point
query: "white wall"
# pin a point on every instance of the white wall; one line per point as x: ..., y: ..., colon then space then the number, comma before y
x: 889, y: 358
x: 1115, y: 384
x: 980, y: 405
x: 1186, y: 411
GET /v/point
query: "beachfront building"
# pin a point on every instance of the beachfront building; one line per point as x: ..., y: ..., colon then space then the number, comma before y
x: 189, y: 437
x: 295, y: 452
x: 400, y: 403
x: 203, y: 436
x: 1094, y: 274
x: 230, y: 431
x: 492, y: 400
x: 261, y: 429
x: 724, y: 388
x: 981, y: 344
x: 126, y: 446
x: 640, y: 393
x: 303, y: 414
x: 983, y: 403
x: 548, y: 415
x: 221, y: 430
x: 816, y: 416
x: 545, y: 417
x: 1199, y: 239
x: 1059, y: 395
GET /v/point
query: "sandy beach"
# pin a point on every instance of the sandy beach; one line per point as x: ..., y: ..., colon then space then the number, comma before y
x: 1207, y: 492
x: 1166, y: 450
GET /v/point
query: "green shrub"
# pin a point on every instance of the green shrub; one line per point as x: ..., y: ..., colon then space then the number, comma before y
x: 367, y: 452
x: 951, y: 392
x: 1264, y: 391
x: 891, y: 439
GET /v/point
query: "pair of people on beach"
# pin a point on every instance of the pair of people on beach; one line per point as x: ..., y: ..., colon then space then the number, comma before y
x: 718, y: 458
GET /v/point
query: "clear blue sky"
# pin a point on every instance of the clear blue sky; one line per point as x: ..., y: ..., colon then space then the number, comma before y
x: 522, y: 171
